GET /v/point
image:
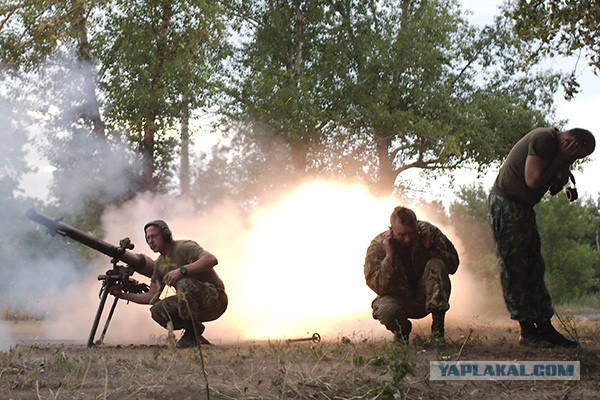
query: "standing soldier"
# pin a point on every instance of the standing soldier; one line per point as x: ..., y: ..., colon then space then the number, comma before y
x: 538, y: 162
x: 408, y: 266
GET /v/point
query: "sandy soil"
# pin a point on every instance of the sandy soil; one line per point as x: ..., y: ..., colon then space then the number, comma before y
x: 345, y: 368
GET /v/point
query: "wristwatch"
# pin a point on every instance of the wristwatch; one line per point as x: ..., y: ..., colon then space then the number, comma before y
x: 183, y: 270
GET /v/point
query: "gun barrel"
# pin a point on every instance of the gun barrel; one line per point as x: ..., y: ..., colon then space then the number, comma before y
x: 138, y: 262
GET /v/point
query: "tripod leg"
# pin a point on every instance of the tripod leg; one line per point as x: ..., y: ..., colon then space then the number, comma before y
x: 110, y: 314
x: 90, y: 342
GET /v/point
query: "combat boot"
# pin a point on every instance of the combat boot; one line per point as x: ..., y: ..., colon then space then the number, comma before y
x: 549, y: 333
x: 437, y: 326
x: 192, y: 337
x: 403, y: 334
x: 530, y: 336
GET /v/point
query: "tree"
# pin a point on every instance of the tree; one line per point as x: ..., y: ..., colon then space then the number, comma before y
x: 568, y: 245
x: 433, y: 93
x: 152, y: 64
x: 46, y: 45
x: 31, y: 31
x: 393, y: 85
x: 553, y: 28
x: 276, y: 72
x: 158, y: 62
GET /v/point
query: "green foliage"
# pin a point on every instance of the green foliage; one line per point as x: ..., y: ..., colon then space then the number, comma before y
x: 558, y: 27
x: 131, y: 69
x: 468, y: 216
x: 587, y: 302
x: 397, y: 364
x: 567, y: 232
x: 390, y: 85
x: 568, y: 237
x: 158, y: 59
x: 30, y: 30
x: 152, y: 53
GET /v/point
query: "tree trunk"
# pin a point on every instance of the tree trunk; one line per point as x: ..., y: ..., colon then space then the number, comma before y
x: 148, y: 155
x: 91, y: 107
x: 148, y: 141
x: 299, y: 155
x: 184, y: 169
x: 386, y: 177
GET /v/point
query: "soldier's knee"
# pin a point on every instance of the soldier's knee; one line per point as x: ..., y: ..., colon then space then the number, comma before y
x: 387, y: 309
x: 436, y: 266
x: 159, y: 313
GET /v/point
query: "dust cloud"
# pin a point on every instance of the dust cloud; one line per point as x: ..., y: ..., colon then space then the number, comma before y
x: 291, y: 269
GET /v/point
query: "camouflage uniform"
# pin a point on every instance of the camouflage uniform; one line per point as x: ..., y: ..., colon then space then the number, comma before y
x: 512, y: 217
x: 204, y: 295
x: 519, y: 259
x: 414, y: 289
x: 513, y: 221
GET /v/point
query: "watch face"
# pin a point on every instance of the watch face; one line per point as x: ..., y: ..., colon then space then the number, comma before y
x: 183, y: 270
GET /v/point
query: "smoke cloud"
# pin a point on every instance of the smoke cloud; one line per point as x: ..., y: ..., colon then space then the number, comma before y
x: 292, y: 267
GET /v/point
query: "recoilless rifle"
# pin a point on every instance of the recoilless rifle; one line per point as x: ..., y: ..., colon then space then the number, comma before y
x: 118, y: 275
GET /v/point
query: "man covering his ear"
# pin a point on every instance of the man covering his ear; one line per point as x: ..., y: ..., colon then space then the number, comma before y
x: 408, y: 266
x: 537, y: 163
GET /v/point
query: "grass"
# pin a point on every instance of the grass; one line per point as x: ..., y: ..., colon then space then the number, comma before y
x: 586, y: 303
x: 357, y: 369
x: 349, y: 368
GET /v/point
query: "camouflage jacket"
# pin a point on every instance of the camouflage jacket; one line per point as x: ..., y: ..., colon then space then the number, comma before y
x: 395, y: 279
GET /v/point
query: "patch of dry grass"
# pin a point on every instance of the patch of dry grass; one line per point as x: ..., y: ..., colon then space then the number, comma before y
x: 347, y: 368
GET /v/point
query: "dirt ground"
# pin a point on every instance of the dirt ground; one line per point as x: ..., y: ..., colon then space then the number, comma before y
x: 344, y: 368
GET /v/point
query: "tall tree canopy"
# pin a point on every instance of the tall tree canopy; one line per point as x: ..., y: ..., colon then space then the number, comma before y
x: 392, y: 85
x: 157, y: 58
x: 361, y: 88
x: 134, y: 69
x: 558, y: 27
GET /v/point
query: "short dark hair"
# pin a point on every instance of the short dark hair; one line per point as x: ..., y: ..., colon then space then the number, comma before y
x: 584, y: 137
x: 164, y: 228
x: 404, y: 215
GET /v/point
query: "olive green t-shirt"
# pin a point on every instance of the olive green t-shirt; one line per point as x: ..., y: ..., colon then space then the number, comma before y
x: 542, y: 142
x: 184, y: 252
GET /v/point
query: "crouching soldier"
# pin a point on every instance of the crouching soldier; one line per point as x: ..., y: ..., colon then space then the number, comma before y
x: 408, y: 267
x: 190, y: 269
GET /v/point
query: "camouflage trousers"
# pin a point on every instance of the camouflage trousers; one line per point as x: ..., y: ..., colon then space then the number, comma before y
x: 195, y: 302
x: 432, y: 293
x: 520, y: 260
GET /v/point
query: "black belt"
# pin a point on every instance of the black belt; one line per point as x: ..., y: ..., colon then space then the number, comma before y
x: 515, y: 199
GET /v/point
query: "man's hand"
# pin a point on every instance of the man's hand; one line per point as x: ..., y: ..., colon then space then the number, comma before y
x: 568, y: 150
x: 388, y: 245
x: 172, y: 277
x: 117, y: 291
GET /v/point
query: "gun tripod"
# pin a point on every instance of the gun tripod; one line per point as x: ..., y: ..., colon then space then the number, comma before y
x: 119, y: 275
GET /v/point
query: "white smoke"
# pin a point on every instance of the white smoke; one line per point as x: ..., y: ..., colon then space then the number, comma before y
x: 41, y: 279
x: 291, y: 268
